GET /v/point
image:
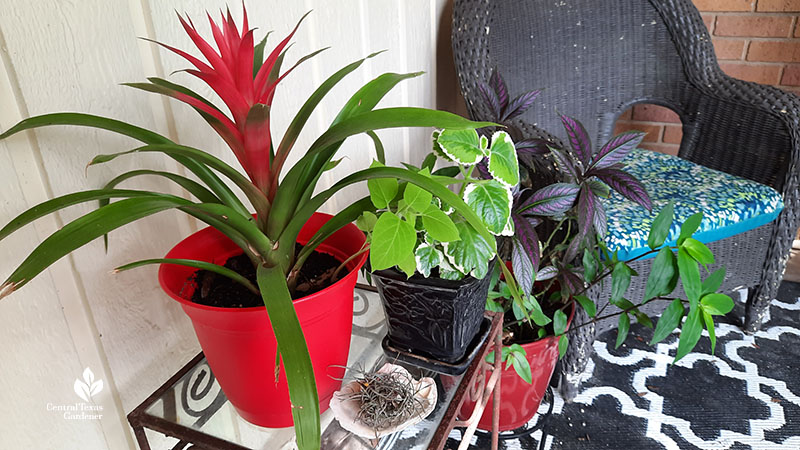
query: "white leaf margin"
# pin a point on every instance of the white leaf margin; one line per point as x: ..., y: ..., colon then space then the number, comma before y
x: 508, y: 230
x: 480, y: 155
x: 440, y: 258
x: 505, y: 137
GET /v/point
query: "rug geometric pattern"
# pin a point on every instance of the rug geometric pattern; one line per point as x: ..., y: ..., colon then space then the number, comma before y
x: 746, y: 396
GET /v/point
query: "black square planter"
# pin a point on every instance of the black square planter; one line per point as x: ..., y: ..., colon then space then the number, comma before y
x: 432, y: 317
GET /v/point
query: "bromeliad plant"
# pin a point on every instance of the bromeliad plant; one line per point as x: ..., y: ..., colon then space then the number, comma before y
x: 246, y: 81
x: 424, y: 232
x: 553, y: 275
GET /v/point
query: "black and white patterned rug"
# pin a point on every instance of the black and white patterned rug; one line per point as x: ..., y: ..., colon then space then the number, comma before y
x: 747, y: 396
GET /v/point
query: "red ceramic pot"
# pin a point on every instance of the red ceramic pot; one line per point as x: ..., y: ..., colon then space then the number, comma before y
x: 239, y: 343
x: 519, y: 400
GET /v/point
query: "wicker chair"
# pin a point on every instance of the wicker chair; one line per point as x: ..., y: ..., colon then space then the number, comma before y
x: 597, y: 58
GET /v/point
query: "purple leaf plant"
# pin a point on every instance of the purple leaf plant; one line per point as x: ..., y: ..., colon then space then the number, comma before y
x: 569, y: 210
x: 557, y: 250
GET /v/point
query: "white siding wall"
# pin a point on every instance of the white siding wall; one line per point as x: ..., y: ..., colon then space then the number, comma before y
x: 71, y: 56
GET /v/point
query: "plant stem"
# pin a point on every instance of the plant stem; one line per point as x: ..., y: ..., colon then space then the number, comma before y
x: 466, y: 174
x: 626, y: 310
x: 364, y: 248
x: 553, y: 233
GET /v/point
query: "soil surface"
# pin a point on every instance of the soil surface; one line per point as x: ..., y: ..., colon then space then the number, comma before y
x: 217, y: 290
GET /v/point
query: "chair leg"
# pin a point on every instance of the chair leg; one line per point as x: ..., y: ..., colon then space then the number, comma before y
x: 779, y: 249
x: 756, y: 308
x: 579, y: 351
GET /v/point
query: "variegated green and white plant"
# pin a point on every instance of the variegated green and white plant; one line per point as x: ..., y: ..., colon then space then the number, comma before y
x: 422, y: 231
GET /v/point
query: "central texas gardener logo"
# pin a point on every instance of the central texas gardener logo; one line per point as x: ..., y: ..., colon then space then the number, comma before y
x: 88, y: 387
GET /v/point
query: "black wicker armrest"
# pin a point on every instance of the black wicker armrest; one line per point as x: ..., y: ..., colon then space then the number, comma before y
x: 744, y: 129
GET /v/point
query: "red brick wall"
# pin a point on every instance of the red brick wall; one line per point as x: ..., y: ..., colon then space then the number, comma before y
x: 755, y: 40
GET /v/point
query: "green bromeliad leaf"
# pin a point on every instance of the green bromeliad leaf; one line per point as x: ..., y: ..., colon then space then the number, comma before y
x: 439, y: 225
x: 463, y: 146
x: 393, y: 240
x: 470, y: 254
x: 492, y: 202
x: 503, y: 163
x: 427, y: 257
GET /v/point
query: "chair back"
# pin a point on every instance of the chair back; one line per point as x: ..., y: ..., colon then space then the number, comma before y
x: 592, y: 58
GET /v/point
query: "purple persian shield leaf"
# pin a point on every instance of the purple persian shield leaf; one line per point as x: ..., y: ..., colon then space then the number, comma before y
x: 550, y: 200
x: 523, y: 267
x: 578, y: 138
x: 531, y: 147
x: 547, y: 273
x: 490, y: 99
x: 572, y: 280
x: 498, y: 85
x: 483, y: 169
x: 600, y: 219
x: 520, y: 104
x: 574, y: 247
x: 587, y: 206
x: 616, y: 149
x: 564, y: 162
x: 626, y: 184
x: 525, y: 233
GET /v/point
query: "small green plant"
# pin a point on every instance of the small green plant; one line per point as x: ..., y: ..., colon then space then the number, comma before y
x: 681, y: 262
x: 419, y: 232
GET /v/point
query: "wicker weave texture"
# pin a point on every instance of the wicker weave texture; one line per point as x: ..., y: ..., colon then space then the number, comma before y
x: 596, y: 58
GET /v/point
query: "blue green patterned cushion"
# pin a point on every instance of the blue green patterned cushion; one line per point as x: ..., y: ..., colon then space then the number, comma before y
x: 730, y: 204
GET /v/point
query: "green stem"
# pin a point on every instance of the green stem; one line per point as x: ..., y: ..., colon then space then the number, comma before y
x: 466, y: 174
x: 364, y: 248
x: 626, y: 310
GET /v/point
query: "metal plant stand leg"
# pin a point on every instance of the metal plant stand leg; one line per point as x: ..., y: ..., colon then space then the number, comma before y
x: 579, y: 352
x: 540, y: 424
x: 481, y: 390
x: 141, y: 438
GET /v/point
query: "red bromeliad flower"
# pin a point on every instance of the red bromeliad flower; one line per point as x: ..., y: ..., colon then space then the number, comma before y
x: 235, y: 72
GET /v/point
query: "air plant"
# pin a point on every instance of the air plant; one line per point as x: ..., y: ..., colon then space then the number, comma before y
x: 282, y: 198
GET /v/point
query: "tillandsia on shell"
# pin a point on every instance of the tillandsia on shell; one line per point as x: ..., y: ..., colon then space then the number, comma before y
x: 382, y: 402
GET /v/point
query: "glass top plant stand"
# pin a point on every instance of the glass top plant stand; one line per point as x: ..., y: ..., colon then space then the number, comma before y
x: 191, y: 411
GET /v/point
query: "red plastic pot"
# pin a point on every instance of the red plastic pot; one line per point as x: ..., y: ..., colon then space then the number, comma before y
x: 519, y: 400
x: 239, y: 343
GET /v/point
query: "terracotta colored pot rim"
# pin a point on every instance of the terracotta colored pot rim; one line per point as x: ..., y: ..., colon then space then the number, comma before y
x: 352, y: 266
